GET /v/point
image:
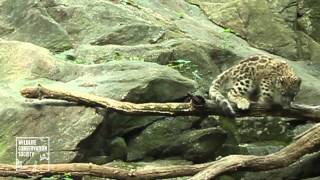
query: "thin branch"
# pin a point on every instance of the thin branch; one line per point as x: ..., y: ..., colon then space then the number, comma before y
x: 208, y: 107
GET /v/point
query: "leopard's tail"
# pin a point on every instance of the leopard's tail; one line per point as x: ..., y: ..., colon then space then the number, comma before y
x: 216, y: 95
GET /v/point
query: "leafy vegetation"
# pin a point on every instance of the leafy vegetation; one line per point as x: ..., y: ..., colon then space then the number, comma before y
x: 65, y: 176
x: 70, y: 57
x: 227, y: 33
x: 228, y: 30
x: 186, y: 67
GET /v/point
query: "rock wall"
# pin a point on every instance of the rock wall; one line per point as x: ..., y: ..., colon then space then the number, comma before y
x: 147, y: 51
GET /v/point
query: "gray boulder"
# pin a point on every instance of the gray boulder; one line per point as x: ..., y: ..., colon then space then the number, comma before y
x: 108, y: 47
x: 308, y: 20
x: 24, y: 64
x: 29, y: 21
x: 252, y: 21
x: 171, y: 138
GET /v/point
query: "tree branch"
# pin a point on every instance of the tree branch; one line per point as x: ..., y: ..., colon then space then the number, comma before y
x: 308, y: 143
x: 192, y: 108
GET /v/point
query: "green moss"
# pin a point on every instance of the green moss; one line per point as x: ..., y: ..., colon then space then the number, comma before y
x: 3, y: 148
x: 230, y: 126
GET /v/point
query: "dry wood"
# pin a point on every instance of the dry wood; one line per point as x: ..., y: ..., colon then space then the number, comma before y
x: 308, y: 143
x: 81, y: 169
x: 170, y: 109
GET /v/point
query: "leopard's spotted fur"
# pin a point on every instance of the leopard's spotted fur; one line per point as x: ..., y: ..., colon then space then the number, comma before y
x: 271, y: 80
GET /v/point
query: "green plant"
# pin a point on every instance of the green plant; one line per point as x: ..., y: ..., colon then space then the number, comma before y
x: 67, y: 176
x: 186, y: 66
x: 180, y: 65
x: 180, y: 15
x: 79, y: 61
x: 228, y: 30
x: 225, y: 36
x: 196, y: 75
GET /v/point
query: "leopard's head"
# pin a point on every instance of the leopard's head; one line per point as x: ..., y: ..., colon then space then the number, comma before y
x: 288, y: 87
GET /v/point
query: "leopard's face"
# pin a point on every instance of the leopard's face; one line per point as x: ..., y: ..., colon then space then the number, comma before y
x: 288, y: 87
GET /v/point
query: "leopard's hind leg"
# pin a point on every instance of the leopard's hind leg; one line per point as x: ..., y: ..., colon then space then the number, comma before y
x: 239, y: 92
x: 266, y: 92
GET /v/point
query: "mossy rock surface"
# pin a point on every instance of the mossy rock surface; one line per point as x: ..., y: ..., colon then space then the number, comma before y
x: 24, y: 64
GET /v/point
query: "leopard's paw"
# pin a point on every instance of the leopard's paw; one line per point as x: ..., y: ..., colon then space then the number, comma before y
x: 243, y: 104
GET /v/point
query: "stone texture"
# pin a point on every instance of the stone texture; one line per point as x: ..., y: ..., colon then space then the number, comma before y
x: 198, y: 145
x: 255, y: 21
x: 24, y: 64
x: 309, y: 17
x: 28, y: 21
x: 156, y: 137
x: 170, y: 138
x: 111, y: 48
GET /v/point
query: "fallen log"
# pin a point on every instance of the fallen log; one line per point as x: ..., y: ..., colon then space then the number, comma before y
x: 208, y: 107
x: 306, y: 144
